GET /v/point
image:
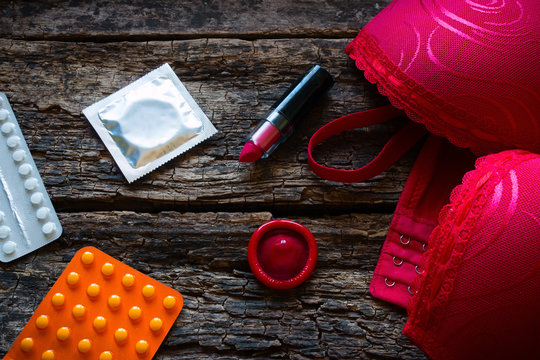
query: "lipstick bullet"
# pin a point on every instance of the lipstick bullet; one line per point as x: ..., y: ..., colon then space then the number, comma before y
x: 280, y: 120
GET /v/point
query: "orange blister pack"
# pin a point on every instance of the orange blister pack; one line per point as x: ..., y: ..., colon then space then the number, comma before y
x: 99, y: 309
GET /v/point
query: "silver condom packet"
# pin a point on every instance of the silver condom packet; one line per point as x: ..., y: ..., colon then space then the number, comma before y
x: 149, y: 122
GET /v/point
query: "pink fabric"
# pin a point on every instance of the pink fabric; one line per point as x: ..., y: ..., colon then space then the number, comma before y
x: 479, y: 295
x: 437, y: 170
x: 466, y: 69
x: 392, y: 151
x: 469, y: 71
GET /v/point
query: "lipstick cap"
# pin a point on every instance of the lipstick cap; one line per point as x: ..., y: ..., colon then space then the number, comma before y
x: 303, y: 94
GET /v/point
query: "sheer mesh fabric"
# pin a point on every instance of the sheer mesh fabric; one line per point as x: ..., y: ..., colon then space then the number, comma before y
x: 466, y: 69
x: 469, y: 71
x: 479, y: 296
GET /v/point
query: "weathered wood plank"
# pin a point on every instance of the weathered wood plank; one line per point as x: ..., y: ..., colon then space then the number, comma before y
x: 235, y: 82
x: 145, y: 19
x: 227, y: 313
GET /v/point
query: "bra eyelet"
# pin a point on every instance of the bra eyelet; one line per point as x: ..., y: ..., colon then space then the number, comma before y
x: 410, y: 292
x: 401, y: 240
x: 399, y: 262
x: 387, y: 284
x: 418, y: 270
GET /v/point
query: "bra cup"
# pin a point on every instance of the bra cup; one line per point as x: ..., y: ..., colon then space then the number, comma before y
x: 468, y: 70
x: 479, y: 295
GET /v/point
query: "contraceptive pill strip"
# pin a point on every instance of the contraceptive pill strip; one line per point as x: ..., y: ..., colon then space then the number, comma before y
x: 102, y: 309
x: 27, y: 217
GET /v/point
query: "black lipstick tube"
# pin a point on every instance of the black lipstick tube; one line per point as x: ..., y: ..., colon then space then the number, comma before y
x: 292, y: 107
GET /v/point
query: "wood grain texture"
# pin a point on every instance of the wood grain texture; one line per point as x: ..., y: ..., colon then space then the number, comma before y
x: 227, y: 312
x: 68, y: 20
x: 235, y: 82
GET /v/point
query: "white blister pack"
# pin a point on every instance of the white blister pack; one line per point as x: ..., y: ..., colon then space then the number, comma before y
x: 27, y: 218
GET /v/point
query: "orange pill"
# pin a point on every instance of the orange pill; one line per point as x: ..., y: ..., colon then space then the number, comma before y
x: 87, y: 257
x: 72, y: 279
x: 114, y: 301
x: 93, y: 290
x: 148, y: 291
x: 42, y: 321
x: 134, y: 313
x: 169, y: 302
x: 107, y: 269
x: 47, y: 355
x: 120, y: 335
x: 99, y: 323
x: 63, y: 333
x: 156, y: 324
x: 128, y: 280
x: 106, y: 355
x: 27, y: 344
x: 84, y: 345
x: 141, y: 346
x: 58, y: 299
x: 78, y: 311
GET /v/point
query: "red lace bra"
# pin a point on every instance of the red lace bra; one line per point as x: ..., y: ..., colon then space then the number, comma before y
x: 468, y: 71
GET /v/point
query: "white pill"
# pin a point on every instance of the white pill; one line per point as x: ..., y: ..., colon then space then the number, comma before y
x: 13, y: 141
x: 2, y: 216
x: 43, y: 212
x: 36, y: 198
x: 4, y: 231
x: 9, y: 247
x: 49, y: 228
x: 18, y: 155
x: 7, y: 128
x: 25, y: 169
x: 31, y: 184
x: 3, y: 114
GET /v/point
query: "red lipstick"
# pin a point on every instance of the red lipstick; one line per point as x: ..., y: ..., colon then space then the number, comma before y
x: 279, y: 122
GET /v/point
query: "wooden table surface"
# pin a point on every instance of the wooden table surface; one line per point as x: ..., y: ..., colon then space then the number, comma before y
x: 187, y: 224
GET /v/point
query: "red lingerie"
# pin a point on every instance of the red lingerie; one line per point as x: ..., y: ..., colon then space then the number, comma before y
x: 463, y: 249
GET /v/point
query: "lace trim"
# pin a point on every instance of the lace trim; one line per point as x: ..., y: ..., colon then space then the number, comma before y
x: 440, y: 117
x: 449, y: 241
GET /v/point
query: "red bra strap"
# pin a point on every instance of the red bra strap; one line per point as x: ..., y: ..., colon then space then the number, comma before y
x: 392, y: 151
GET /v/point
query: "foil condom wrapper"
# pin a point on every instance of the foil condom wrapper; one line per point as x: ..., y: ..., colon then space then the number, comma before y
x: 149, y: 122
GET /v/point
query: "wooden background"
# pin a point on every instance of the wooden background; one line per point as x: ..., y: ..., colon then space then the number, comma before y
x: 188, y: 223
